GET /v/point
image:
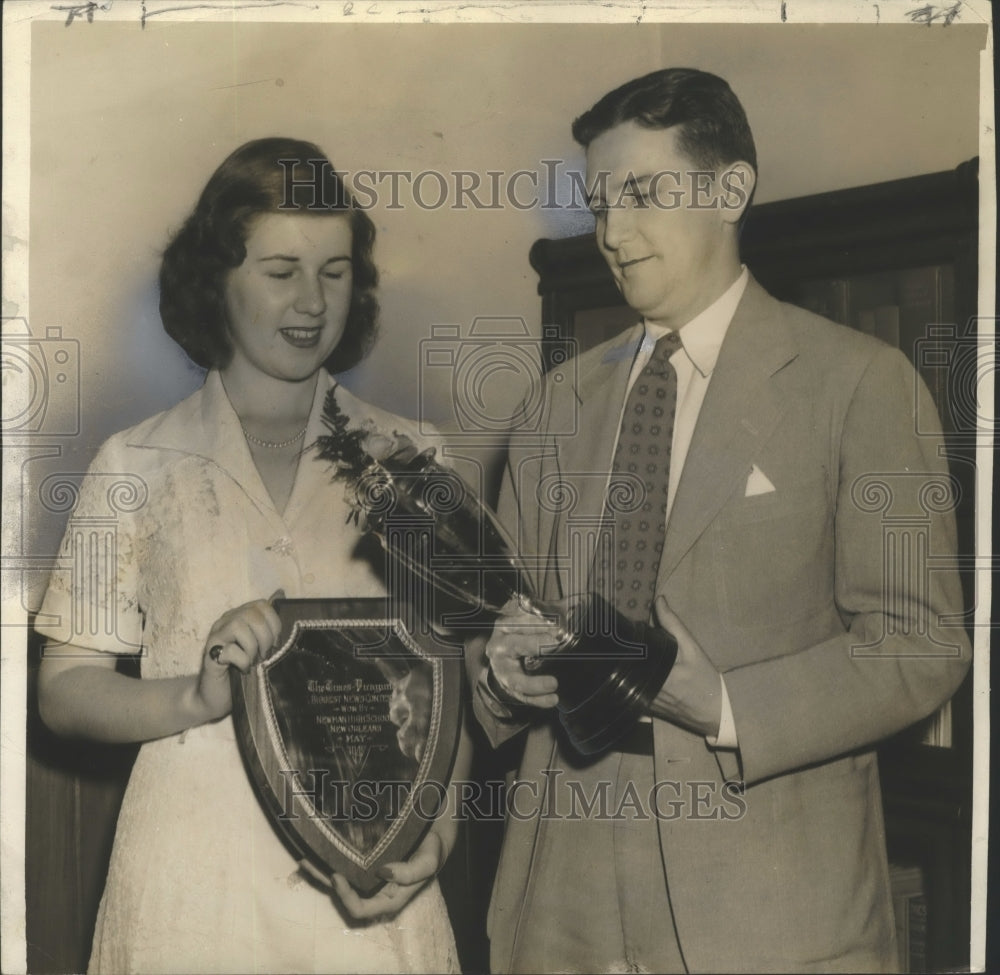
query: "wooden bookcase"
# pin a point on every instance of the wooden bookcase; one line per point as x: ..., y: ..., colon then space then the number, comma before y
x: 898, y: 259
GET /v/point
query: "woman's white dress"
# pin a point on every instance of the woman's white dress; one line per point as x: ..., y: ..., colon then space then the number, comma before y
x: 173, y: 528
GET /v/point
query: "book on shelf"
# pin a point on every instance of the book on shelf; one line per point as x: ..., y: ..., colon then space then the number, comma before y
x: 928, y: 333
x: 865, y: 321
x: 829, y: 297
x: 869, y: 296
x: 887, y: 324
x: 937, y: 728
x: 917, y: 933
x: 911, y: 309
x: 909, y: 904
x: 920, y: 305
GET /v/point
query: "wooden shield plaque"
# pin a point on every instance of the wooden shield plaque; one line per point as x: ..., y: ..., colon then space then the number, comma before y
x: 349, y: 731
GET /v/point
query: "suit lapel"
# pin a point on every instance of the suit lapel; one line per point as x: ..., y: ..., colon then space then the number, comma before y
x: 739, y: 413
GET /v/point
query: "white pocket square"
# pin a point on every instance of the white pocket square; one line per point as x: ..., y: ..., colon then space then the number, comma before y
x: 757, y: 483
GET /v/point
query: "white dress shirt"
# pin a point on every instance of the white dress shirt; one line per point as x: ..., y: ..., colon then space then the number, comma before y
x: 694, y: 362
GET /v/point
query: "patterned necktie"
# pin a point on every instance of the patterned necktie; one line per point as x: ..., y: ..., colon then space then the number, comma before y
x: 642, y: 457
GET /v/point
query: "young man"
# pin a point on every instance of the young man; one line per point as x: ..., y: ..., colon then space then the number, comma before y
x: 739, y: 827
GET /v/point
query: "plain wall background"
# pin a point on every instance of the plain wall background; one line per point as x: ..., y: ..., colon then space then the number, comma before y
x: 128, y: 123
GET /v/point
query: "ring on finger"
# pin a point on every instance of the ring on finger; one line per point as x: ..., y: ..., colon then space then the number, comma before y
x: 215, y: 652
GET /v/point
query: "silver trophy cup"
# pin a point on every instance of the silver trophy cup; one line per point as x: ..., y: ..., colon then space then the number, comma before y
x: 429, y: 522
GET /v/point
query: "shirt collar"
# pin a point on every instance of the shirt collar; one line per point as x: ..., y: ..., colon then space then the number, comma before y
x: 205, y: 424
x: 702, y: 337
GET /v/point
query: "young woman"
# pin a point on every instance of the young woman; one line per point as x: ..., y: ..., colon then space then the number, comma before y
x: 271, y: 293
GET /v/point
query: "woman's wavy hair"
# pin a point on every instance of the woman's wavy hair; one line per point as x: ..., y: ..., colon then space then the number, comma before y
x: 274, y: 175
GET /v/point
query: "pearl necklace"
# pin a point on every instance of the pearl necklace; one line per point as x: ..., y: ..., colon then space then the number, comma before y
x: 273, y: 444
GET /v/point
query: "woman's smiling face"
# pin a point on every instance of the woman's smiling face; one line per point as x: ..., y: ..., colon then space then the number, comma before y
x: 287, y: 303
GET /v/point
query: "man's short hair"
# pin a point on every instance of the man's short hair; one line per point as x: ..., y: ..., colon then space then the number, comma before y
x: 713, y: 128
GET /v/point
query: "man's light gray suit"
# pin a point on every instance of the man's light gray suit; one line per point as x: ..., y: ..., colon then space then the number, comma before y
x: 787, y: 593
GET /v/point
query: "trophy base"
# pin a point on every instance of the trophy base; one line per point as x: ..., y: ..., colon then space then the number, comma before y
x: 608, y: 677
